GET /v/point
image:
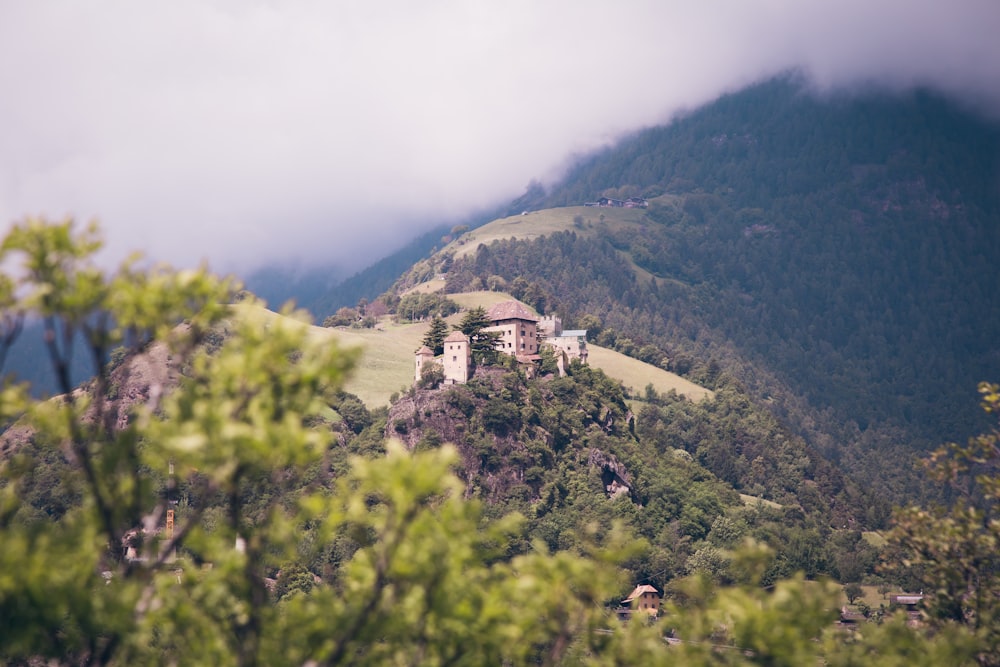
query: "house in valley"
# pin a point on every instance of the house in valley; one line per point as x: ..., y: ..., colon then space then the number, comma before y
x: 645, y: 599
x: 911, y: 603
x: 610, y: 202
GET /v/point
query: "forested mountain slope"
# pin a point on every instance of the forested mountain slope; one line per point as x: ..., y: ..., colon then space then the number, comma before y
x: 837, y: 256
x: 568, y: 453
x: 851, y: 243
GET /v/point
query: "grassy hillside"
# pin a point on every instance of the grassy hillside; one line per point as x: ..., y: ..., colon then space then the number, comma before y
x: 584, y: 219
x: 636, y: 375
x: 386, y: 363
x: 834, y: 256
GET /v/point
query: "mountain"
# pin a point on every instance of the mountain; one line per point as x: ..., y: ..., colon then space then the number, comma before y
x: 836, y: 256
x: 567, y: 451
x: 28, y: 360
x: 322, y: 291
x: 825, y: 265
x: 218, y: 463
x: 278, y: 283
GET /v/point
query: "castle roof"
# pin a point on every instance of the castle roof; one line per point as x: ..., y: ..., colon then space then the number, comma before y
x: 456, y: 337
x: 510, y: 310
x: 424, y: 351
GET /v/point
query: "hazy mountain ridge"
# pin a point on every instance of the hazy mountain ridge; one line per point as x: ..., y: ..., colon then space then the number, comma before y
x: 837, y: 256
x: 832, y: 256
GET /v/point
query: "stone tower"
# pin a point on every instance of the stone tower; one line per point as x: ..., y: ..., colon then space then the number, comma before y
x: 457, y: 358
x: 425, y: 355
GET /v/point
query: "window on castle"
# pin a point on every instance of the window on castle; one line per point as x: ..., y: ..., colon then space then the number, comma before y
x: 454, y: 358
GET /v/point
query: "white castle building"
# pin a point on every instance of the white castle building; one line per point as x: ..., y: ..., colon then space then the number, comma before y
x: 521, y: 336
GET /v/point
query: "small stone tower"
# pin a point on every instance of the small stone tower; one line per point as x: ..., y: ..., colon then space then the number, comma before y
x: 425, y: 355
x: 457, y: 358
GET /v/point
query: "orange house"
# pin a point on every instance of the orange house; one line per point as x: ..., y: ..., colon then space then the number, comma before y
x: 645, y: 599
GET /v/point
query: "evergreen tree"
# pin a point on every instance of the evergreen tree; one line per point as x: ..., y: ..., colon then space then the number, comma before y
x: 484, y: 343
x: 434, y: 338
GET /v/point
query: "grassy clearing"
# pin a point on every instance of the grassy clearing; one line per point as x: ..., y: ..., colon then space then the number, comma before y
x: 751, y: 501
x: 485, y: 299
x: 542, y: 223
x: 433, y: 285
x: 874, y: 538
x: 386, y: 363
x: 549, y: 221
x: 635, y: 374
x: 870, y: 596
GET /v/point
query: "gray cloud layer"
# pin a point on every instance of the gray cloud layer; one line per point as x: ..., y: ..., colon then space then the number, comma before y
x: 244, y: 131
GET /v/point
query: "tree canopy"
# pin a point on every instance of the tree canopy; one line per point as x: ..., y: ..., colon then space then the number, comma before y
x: 436, y: 333
x: 474, y: 324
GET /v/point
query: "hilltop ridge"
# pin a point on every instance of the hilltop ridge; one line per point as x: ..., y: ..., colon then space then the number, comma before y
x: 386, y: 364
x: 833, y: 256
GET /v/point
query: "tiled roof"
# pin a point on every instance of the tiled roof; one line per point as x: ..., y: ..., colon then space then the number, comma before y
x: 456, y: 337
x: 908, y: 599
x: 575, y: 333
x: 639, y: 590
x: 425, y: 350
x: 510, y: 310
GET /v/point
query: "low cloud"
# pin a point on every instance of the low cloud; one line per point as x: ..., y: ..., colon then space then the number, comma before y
x: 245, y: 132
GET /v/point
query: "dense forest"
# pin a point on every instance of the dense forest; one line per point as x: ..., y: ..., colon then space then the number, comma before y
x: 835, y: 256
x: 567, y: 452
x: 849, y: 242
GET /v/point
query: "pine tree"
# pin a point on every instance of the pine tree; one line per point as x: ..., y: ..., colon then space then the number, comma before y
x: 434, y: 338
x: 483, y: 342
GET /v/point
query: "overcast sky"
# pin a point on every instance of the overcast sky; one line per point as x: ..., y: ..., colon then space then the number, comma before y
x: 248, y: 131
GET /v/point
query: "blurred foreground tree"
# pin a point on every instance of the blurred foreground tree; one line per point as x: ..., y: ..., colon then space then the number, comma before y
x: 108, y: 584
x: 953, y: 553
